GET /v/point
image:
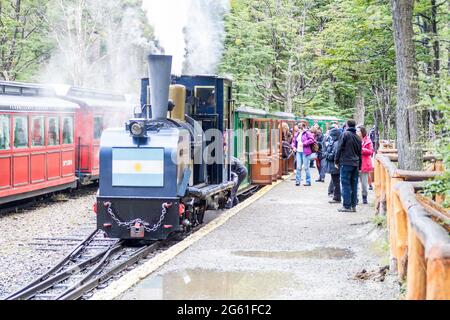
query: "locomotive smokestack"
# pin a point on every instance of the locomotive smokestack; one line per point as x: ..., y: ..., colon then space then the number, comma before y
x: 160, y: 68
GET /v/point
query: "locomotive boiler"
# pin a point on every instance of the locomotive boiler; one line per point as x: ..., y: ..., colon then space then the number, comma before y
x: 155, y: 176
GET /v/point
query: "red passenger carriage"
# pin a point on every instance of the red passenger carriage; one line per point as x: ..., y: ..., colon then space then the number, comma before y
x: 37, y: 145
x: 99, y: 110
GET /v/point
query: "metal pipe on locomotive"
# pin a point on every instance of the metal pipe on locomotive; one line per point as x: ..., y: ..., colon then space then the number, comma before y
x: 147, y: 187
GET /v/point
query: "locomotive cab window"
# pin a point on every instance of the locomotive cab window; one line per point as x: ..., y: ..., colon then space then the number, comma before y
x: 20, y: 132
x: 67, y: 130
x: 53, y: 131
x: 37, y: 132
x: 98, y: 127
x: 4, y: 132
x: 206, y: 97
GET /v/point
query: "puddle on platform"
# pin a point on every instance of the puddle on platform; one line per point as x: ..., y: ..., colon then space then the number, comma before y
x: 193, y: 284
x: 319, y: 253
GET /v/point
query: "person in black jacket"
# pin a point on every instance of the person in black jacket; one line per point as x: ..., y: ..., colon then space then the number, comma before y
x: 320, y: 161
x: 329, y: 155
x: 349, y: 160
x: 239, y: 172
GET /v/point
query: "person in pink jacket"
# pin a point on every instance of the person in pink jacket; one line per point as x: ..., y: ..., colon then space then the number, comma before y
x: 367, y: 166
x: 301, y: 145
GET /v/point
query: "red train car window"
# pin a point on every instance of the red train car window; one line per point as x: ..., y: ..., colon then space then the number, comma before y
x: 4, y: 132
x: 53, y: 131
x: 20, y: 132
x: 67, y: 130
x: 37, y: 131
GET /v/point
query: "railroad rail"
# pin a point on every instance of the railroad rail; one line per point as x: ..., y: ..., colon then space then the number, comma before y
x: 93, y: 262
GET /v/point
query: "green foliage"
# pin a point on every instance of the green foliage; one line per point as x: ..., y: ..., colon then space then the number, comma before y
x: 319, y: 54
x: 380, y: 221
x: 403, y: 289
x: 24, y: 42
x: 439, y: 186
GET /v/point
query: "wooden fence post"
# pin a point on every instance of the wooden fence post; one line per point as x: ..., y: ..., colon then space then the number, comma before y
x: 381, y: 206
x: 391, y: 224
x: 417, y: 269
x: 438, y: 276
x: 401, y: 229
x: 377, y: 182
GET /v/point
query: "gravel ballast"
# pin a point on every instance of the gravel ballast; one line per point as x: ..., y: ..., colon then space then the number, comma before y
x: 22, y: 257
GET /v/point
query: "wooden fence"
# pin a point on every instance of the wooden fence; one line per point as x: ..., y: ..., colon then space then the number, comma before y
x: 418, y: 235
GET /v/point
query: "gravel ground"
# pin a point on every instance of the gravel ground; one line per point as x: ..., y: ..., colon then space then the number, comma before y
x: 21, y: 258
x: 290, y: 244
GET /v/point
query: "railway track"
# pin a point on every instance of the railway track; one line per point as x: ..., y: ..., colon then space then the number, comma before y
x: 94, y: 261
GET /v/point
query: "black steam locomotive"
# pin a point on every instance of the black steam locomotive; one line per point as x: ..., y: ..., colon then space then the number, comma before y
x: 163, y: 170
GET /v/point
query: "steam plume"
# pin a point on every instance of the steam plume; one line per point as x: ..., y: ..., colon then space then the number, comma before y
x: 192, y: 31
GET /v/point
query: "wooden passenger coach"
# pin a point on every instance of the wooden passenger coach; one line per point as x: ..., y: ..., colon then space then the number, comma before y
x: 258, y: 144
x: 37, y: 145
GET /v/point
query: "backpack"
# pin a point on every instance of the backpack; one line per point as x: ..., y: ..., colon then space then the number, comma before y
x: 315, y: 147
x: 287, y: 151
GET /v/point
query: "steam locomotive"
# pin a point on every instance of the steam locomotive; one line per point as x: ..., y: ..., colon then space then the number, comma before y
x: 155, y: 179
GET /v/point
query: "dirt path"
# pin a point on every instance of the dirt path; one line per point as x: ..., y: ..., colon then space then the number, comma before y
x: 290, y: 244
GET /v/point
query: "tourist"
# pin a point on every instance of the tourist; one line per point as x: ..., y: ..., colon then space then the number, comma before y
x: 295, y: 132
x: 239, y: 173
x: 320, y: 160
x: 367, y: 167
x: 302, y: 146
x: 329, y: 156
x: 348, y: 159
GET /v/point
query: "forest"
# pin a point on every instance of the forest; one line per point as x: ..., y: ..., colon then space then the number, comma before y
x: 383, y: 62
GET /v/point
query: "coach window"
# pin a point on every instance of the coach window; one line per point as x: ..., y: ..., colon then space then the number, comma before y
x: 4, y: 132
x: 20, y: 132
x: 53, y: 131
x: 68, y: 130
x: 98, y: 127
x: 37, y: 131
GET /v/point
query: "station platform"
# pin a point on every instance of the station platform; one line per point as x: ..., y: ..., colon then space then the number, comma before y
x: 289, y: 244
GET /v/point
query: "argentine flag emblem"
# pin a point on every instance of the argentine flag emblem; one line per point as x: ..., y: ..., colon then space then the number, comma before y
x: 138, y: 167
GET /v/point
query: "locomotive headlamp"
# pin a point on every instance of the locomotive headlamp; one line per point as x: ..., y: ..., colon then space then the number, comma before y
x: 137, y: 129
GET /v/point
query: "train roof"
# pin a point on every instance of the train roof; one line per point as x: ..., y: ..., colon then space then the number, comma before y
x: 251, y: 110
x: 211, y: 76
x: 323, y: 118
x: 283, y: 115
x: 18, y: 96
x: 93, y: 98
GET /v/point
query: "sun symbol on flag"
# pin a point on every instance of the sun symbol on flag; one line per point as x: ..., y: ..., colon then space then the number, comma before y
x: 138, y: 167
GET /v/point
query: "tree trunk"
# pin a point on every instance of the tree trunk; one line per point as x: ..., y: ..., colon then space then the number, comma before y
x: 408, y: 122
x: 360, y: 107
x: 436, y: 44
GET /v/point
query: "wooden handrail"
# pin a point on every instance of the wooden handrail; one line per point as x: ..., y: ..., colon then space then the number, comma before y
x: 419, y: 245
x: 394, y: 157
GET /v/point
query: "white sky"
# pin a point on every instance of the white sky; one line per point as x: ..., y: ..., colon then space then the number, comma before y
x: 169, y: 17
